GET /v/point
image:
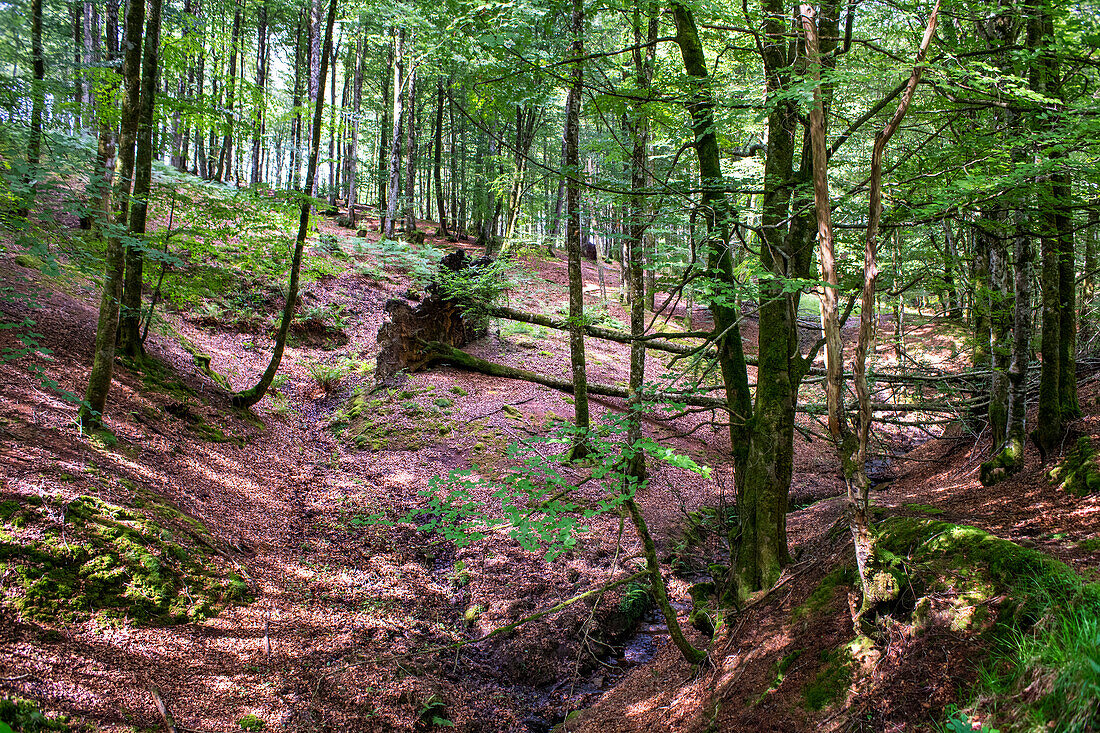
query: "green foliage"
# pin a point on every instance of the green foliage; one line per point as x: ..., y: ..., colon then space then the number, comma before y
x: 637, y: 601
x: 531, y: 498
x: 432, y: 712
x: 959, y: 722
x: 327, y: 376
x: 20, y: 715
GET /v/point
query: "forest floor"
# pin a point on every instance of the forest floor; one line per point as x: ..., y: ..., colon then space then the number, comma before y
x: 339, y: 626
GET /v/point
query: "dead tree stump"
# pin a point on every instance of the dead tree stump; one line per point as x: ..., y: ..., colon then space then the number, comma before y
x: 403, y: 336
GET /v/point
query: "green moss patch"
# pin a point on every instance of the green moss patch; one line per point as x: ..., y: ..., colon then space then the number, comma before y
x: 831, y: 683
x: 822, y: 595
x: 370, y: 422
x: 1079, y: 472
x: 117, y: 562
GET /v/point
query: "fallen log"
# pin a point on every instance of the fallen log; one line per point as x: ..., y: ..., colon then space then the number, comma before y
x: 436, y: 351
x: 440, y: 352
x: 608, y: 334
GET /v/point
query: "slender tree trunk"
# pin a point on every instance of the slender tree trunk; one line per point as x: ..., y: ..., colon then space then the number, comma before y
x: 573, y: 234
x: 437, y: 163
x: 99, y: 182
x: 76, y: 15
x: 352, y: 152
x: 636, y: 227
x: 1087, y: 315
x: 225, y: 157
x: 384, y: 139
x: 38, y: 103
x: 294, y: 178
x: 103, y: 362
x: 129, y: 335
x: 253, y: 395
x: 261, y: 96
x: 410, y: 145
x: 397, y: 130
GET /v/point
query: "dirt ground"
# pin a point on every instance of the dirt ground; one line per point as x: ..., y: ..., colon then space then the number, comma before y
x: 343, y: 609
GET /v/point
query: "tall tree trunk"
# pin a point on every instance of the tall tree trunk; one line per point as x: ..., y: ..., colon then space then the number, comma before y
x: 294, y: 178
x: 410, y: 145
x: 261, y: 97
x: 225, y: 157
x: 38, y: 103
x: 573, y: 233
x: 1086, y: 305
x: 103, y: 361
x: 1058, y: 378
x: 129, y: 336
x: 76, y: 15
x: 253, y: 395
x: 396, y: 134
x: 383, y: 137
x: 437, y: 163
x: 352, y: 150
x: 858, y: 495
x: 99, y: 182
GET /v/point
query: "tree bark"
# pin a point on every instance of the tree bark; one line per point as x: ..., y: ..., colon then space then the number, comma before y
x: 437, y: 163
x: 38, y: 104
x: 103, y: 360
x: 573, y: 199
x: 410, y: 143
x: 225, y: 157
x: 396, y: 133
x: 261, y: 97
x: 129, y: 335
x: 253, y: 395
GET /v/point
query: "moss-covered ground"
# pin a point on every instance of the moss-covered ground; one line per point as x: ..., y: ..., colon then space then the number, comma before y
x: 89, y: 557
x: 1040, y: 619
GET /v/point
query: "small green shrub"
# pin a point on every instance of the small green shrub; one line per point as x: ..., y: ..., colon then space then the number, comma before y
x: 252, y: 722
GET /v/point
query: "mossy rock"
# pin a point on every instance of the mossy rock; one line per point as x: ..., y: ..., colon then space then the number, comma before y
x: 1078, y: 473
x: 1036, y: 612
x: 117, y: 562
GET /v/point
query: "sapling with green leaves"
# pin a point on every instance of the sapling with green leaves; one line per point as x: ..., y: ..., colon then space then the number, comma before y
x: 541, y: 508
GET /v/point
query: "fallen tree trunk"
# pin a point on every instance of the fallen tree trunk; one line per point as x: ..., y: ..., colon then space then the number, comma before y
x: 537, y: 319
x: 436, y: 351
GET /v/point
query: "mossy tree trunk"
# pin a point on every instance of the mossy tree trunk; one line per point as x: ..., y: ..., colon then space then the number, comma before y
x: 573, y: 234
x: 253, y: 395
x: 103, y: 360
x: 660, y: 592
x: 1058, y: 377
x: 129, y: 336
x: 634, y: 246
